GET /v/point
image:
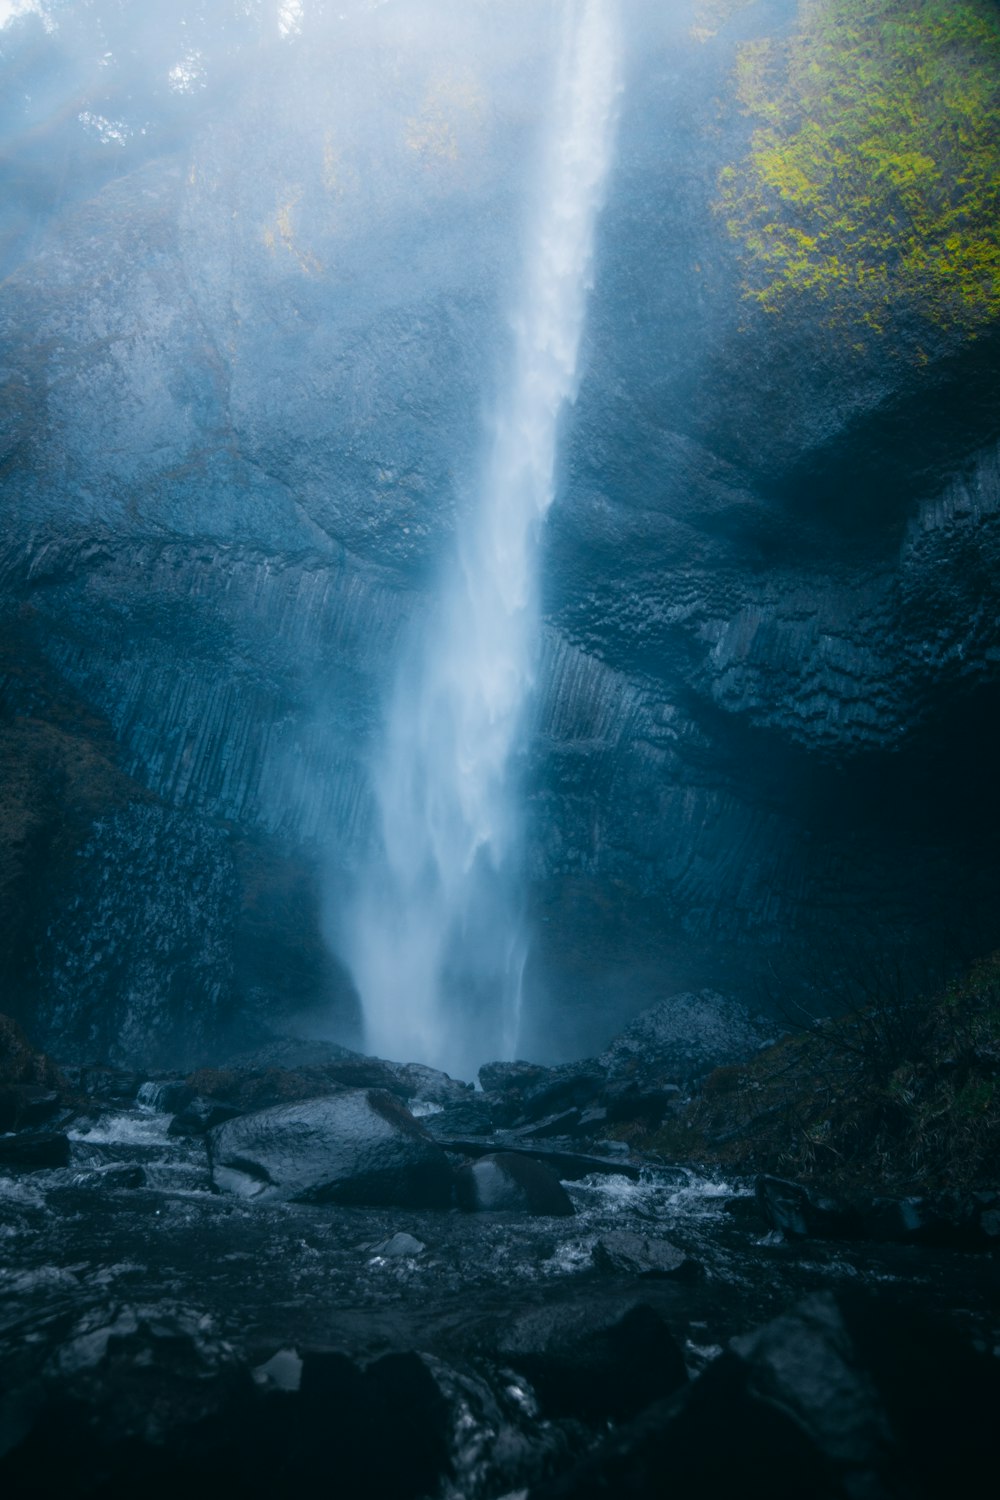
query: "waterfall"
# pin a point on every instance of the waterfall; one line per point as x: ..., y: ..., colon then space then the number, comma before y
x: 436, y: 937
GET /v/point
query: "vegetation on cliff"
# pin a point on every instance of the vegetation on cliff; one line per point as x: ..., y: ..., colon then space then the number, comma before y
x: 873, y: 179
x: 903, y: 1090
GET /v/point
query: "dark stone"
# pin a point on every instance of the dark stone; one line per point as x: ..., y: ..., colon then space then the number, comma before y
x: 430, y: 1085
x: 842, y: 1397
x: 33, y: 1151
x: 399, y: 1245
x: 641, y: 1255
x: 118, y: 1176
x: 524, y: 1092
x: 150, y: 1400
x: 747, y: 1212
x: 287, y: 1072
x: 24, y: 1105
x: 110, y: 1085
x: 473, y: 1116
x: 569, y: 1166
x: 20, y: 1062
x: 146, y: 1397
x: 680, y: 1039
x: 594, y: 1361
x: 512, y: 1077
x: 625, y: 1101
x: 572, y: 1086
x: 800, y: 1211
x: 358, y: 1147
x: 385, y: 1427
x: 511, y: 1183
x: 202, y: 1115
x: 562, y: 1126
x: 952, y: 1221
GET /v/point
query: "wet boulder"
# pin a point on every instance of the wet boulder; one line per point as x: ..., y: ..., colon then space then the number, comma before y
x: 398, y: 1246
x: 471, y: 1116
x: 30, y: 1083
x: 359, y: 1147
x: 949, y: 1221
x: 643, y: 1255
x: 200, y: 1115
x: 429, y: 1085
x: 114, y: 1086
x: 504, y: 1182
x: 801, y: 1211
x: 120, y: 1176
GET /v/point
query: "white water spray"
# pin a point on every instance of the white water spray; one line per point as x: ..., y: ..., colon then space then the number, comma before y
x: 436, y: 938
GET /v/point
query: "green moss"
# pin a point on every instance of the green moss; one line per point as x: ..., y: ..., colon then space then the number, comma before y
x: 873, y: 180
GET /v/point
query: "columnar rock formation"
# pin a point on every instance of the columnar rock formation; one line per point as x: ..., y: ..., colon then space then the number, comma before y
x: 243, y: 379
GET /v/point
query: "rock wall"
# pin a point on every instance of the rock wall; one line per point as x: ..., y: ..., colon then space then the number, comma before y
x: 244, y: 391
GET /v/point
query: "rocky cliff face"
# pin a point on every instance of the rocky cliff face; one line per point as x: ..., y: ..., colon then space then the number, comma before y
x: 244, y: 384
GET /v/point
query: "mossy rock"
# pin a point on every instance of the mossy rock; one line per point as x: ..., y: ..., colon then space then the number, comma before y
x: 872, y: 186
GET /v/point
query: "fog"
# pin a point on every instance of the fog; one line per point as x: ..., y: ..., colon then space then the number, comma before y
x: 337, y: 160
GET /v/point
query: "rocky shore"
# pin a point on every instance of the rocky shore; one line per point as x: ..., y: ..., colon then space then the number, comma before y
x: 310, y: 1266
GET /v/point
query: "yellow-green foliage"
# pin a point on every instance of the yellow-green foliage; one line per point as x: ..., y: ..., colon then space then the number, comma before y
x: 873, y: 181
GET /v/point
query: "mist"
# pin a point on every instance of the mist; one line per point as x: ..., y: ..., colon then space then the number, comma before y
x: 499, y: 696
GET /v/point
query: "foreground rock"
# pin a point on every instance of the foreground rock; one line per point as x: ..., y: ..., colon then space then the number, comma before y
x: 151, y: 1400
x: 161, y: 1340
x: 839, y: 1398
x: 361, y: 1147
x: 595, y: 1362
x: 34, y: 1150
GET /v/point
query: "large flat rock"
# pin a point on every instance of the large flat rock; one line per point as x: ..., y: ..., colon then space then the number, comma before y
x: 359, y: 1147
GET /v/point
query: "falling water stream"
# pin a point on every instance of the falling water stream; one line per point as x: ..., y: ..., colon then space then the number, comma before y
x: 436, y: 938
